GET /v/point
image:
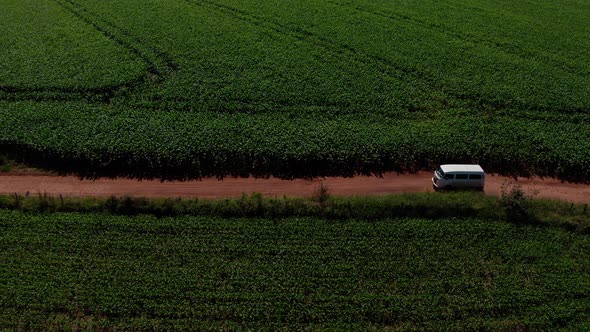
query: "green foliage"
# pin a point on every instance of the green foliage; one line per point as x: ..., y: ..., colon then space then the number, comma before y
x: 516, y: 203
x: 571, y: 217
x: 97, y: 141
x: 47, y: 53
x: 5, y: 164
x: 321, y: 194
x: 99, y: 271
x: 193, y: 88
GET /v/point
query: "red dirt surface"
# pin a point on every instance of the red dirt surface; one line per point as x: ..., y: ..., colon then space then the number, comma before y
x: 391, y: 183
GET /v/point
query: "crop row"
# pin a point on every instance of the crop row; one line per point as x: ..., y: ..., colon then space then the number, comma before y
x: 102, y: 271
x: 98, y: 141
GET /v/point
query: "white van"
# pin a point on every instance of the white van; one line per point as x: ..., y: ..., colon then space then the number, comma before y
x: 458, y: 177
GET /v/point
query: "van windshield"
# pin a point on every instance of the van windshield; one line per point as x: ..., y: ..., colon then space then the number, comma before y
x: 439, y: 172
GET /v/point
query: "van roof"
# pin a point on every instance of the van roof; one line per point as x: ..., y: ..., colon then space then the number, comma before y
x: 461, y: 168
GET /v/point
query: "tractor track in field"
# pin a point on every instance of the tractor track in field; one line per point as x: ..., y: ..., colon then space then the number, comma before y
x: 513, y: 50
x: 403, y: 72
x: 38, y: 183
x: 159, y: 65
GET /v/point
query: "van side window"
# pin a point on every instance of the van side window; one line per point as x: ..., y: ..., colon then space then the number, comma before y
x: 461, y: 176
x: 474, y: 176
x: 449, y: 176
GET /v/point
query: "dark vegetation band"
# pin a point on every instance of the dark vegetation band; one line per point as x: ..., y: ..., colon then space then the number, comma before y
x: 244, y: 163
x: 513, y: 206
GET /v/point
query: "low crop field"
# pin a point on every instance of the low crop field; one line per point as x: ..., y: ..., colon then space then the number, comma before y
x: 191, y: 88
x: 91, y: 271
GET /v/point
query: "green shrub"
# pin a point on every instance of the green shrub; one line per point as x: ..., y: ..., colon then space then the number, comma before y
x: 5, y: 165
x: 321, y: 194
x: 516, y: 203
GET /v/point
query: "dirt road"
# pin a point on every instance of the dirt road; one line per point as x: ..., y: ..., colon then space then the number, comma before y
x: 212, y: 188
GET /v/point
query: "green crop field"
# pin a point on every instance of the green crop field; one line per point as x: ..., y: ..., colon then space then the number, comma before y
x: 68, y: 271
x: 192, y: 88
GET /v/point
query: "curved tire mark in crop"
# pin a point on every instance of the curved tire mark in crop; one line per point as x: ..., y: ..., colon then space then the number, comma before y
x: 159, y: 61
x: 159, y: 65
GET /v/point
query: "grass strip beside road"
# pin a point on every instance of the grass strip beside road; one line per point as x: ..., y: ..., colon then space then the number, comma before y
x: 513, y: 206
